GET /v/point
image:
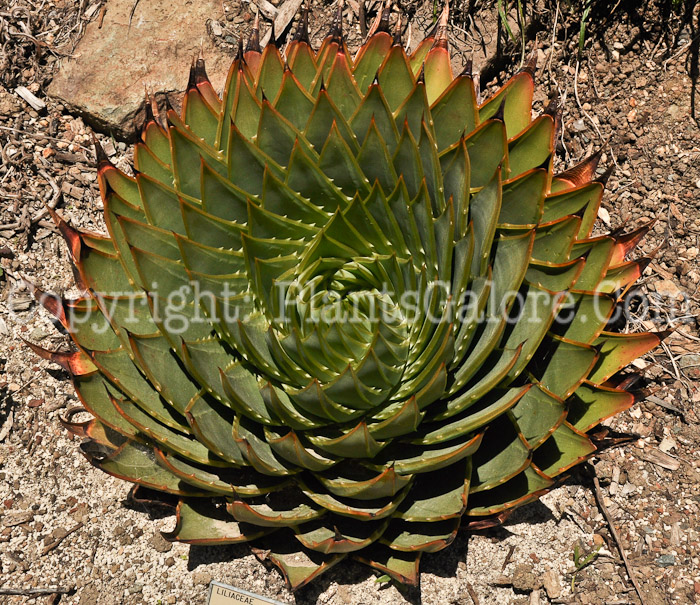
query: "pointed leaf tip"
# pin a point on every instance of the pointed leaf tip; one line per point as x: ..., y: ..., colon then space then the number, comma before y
x: 397, y: 32
x: 100, y: 154
x: 554, y: 107
x: 531, y: 66
x: 254, y: 39
x: 584, y: 172
x: 72, y: 236
x: 627, y: 242
x: 501, y: 111
x: 148, y: 108
x: 384, y: 16
x: 442, y: 27
x: 468, y: 69
x: 200, y: 72
x: 192, y: 80
x: 273, y: 36
x: 605, y: 177
x: 74, y: 362
x: 336, y: 32
x: 53, y: 303
x: 302, y: 33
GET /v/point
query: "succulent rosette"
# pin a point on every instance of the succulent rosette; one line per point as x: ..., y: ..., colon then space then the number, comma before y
x: 346, y: 309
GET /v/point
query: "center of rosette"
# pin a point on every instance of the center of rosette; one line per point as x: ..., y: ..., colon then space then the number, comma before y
x: 342, y: 324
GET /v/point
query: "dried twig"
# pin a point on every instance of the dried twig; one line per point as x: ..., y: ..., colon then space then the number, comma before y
x: 101, y: 17
x: 49, y: 590
x: 131, y: 13
x: 664, y: 404
x: 508, y: 558
x: 284, y: 16
x: 34, y: 101
x: 36, y: 135
x: 472, y: 593
x: 673, y: 361
x: 616, y: 537
x: 57, y: 541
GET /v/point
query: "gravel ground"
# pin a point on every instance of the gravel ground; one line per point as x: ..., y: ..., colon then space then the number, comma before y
x: 65, y: 525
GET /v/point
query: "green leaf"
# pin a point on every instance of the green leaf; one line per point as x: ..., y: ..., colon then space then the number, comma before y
x: 455, y: 113
x: 438, y: 496
x: 395, y: 77
x: 137, y: 463
x: 336, y: 534
x: 591, y: 404
x: 504, y: 453
x: 517, y: 93
x: 532, y: 147
x: 523, y: 488
x: 618, y: 350
x: 202, y: 522
x: 565, y: 448
x: 401, y: 566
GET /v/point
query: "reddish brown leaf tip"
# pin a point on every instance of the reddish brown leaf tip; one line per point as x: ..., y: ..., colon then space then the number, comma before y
x: 100, y: 155
x: 150, y: 498
x: 336, y: 32
x: 605, y: 177
x: 273, y: 36
x: 584, y: 172
x: 71, y: 361
x: 467, y: 71
x: 149, y: 112
x: 500, y: 112
x: 441, y: 33
x: 383, y: 25
x: 531, y: 66
x: 432, y: 32
x: 200, y: 72
x: 397, y: 32
x: 192, y: 81
x: 553, y: 108
x: 487, y: 522
x: 51, y: 302
x: 643, y: 263
x: 629, y: 241
x: 302, y: 33
x: 254, y: 40
x: 79, y: 429
x: 664, y: 334
x: 72, y: 236
x: 628, y: 382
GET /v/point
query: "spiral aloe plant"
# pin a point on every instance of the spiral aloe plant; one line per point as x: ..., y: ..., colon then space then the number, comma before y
x: 346, y: 309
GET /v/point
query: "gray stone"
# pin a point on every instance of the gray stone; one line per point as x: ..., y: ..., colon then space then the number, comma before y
x: 160, y: 543
x: 112, y: 66
x: 201, y: 578
x: 524, y: 578
x: 550, y: 579
x: 666, y: 561
x: 668, y: 289
x: 9, y: 103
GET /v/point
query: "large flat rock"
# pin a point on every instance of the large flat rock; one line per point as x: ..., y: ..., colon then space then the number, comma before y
x: 112, y: 65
